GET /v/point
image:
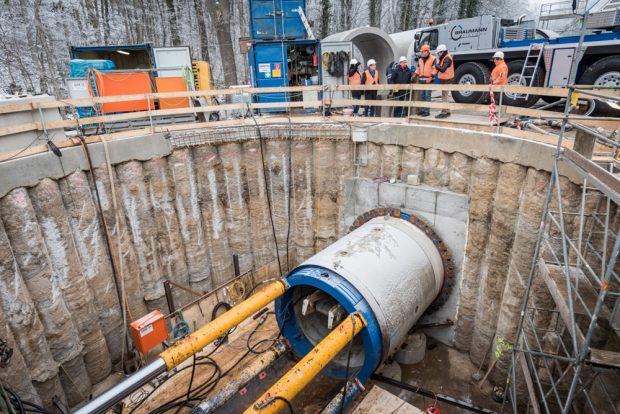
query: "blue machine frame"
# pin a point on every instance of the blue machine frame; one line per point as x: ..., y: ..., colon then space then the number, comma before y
x: 349, y: 297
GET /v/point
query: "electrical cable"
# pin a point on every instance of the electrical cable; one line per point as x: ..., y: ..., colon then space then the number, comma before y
x: 22, y: 405
x: 262, y: 155
x: 191, y: 381
x: 201, y: 391
x: 108, y: 238
x: 290, y: 191
x: 17, y: 154
x: 279, y: 397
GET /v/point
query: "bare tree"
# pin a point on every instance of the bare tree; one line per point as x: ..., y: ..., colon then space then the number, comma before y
x: 374, y: 12
x: 325, y: 18
x: 440, y: 9
x: 468, y: 8
x: 174, y: 26
x: 202, y: 30
x: 406, y: 14
x: 345, y: 14
x: 220, y: 13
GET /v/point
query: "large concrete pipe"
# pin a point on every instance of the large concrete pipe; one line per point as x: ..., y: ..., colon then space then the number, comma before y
x: 404, y: 43
x: 372, y: 43
x: 388, y: 269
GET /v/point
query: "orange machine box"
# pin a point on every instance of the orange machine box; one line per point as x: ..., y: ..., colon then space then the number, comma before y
x: 149, y: 331
x: 172, y: 84
x: 114, y: 84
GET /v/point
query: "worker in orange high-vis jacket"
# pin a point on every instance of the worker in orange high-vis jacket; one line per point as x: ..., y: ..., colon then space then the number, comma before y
x: 355, y: 79
x: 370, y: 77
x: 499, y: 75
x: 444, y: 66
x: 424, y: 73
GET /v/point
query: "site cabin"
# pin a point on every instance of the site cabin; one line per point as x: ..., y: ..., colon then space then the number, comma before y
x: 473, y: 41
x: 142, y: 69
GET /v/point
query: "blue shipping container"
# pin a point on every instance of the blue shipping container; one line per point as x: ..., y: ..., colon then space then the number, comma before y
x: 276, y: 19
x: 269, y: 67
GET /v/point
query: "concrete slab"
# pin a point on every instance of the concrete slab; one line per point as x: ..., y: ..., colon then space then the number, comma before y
x: 20, y: 140
x: 422, y: 199
x: 475, y: 144
x: 28, y: 171
x: 392, y: 195
x: 366, y: 193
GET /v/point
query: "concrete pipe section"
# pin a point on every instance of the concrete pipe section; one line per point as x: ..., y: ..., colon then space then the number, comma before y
x: 388, y: 269
x: 373, y: 43
x: 404, y: 43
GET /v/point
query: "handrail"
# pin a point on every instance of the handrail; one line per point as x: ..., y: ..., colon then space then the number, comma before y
x: 516, y: 89
x: 610, y: 123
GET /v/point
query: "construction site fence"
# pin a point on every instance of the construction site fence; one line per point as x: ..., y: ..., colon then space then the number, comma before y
x: 323, y: 101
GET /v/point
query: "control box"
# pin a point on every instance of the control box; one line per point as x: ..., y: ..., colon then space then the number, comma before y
x: 149, y: 331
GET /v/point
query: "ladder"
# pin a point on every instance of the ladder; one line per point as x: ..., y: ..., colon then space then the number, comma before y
x: 532, y: 59
x: 304, y: 20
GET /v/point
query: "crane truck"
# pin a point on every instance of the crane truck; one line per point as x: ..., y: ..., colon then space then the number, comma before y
x: 535, y: 56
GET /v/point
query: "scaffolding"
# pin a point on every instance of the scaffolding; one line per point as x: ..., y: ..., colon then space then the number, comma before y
x: 565, y: 356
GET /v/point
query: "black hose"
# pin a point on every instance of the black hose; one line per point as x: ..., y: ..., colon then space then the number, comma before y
x: 262, y: 156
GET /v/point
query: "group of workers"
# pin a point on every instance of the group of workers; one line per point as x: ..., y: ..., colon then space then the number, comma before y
x: 429, y: 68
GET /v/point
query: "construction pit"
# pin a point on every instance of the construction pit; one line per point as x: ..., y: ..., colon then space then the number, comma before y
x: 416, y: 243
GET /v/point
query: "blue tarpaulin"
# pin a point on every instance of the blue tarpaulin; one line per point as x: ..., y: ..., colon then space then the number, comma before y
x: 78, y: 68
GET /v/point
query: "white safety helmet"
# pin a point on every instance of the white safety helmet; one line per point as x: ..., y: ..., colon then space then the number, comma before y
x: 442, y: 48
x: 371, y: 62
x: 402, y: 59
x: 354, y: 62
x: 498, y: 55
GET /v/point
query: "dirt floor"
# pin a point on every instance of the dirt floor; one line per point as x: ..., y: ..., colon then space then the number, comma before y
x: 445, y: 371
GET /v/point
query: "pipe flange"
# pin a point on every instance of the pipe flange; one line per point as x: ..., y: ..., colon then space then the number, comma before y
x: 449, y: 278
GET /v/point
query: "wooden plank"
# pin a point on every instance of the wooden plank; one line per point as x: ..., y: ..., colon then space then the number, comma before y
x: 528, y: 382
x: 554, y: 279
x: 448, y: 123
x: 604, y: 357
x: 378, y: 400
x: 226, y: 356
x: 147, y: 114
x: 61, y: 103
x: 277, y: 120
x: 611, y: 181
x: 557, y: 92
x: 605, y: 122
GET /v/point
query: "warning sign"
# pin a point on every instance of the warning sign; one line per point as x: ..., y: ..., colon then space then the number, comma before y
x: 276, y: 72
x: 264, y: 67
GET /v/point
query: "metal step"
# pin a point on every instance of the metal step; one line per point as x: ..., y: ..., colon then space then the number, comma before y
x: 532, y: 60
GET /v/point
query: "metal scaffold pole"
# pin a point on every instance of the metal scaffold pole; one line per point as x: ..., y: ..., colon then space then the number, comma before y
x: 554, y: 353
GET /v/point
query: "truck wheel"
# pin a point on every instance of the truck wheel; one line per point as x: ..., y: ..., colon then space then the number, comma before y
x: 514, y: 78
x: 604, y: 72
x: 471, y: 73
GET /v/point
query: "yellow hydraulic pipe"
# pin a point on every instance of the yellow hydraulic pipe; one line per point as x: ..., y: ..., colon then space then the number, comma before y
x: 302, y: 373
x: 194, y: 342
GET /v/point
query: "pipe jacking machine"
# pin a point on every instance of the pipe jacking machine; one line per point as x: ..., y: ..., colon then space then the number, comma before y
x: 370, y: 287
